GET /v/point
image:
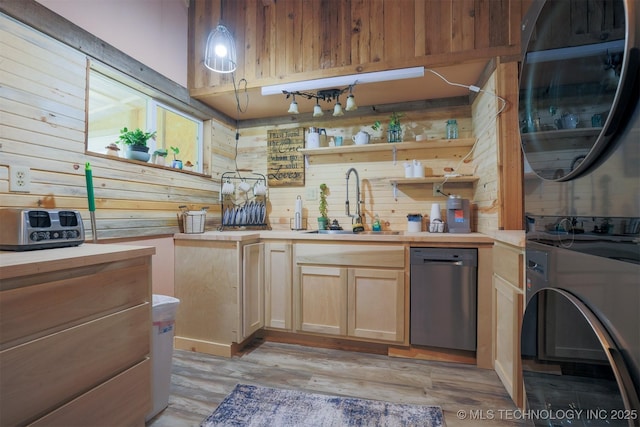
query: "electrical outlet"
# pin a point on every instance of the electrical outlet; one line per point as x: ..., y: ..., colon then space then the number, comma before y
x: 437, y: 188
x: 19, y: 179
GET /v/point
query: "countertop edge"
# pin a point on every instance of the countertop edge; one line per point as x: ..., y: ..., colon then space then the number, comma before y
x: 24, y: 263
x: 300, y: 236
x: 510, y: 237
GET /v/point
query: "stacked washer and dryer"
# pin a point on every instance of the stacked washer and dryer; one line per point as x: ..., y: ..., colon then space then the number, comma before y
x: 580, y: 133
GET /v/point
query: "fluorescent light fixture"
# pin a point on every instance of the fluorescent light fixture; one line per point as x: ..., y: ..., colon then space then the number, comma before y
x: 374, y: 77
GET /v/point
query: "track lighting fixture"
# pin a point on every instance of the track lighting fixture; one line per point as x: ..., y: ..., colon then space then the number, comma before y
x: 306, y: 88
x: 327, y: 95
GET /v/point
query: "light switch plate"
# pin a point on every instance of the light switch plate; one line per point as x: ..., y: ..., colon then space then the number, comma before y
x: 311, y: 194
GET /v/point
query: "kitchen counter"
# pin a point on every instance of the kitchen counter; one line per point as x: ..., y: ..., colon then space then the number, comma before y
x: 16, y: 264
x: 510, y: 237
x: 402, y: 237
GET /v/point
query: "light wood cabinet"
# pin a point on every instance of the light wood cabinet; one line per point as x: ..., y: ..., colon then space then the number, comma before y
x: 351, y: 290
x: 376, y: 304
x: 323, y: 300
x: 252, y: 288
x: 220, y: 285
x: 278, y: 285
x: 508, y: 292
x: 75, y: 336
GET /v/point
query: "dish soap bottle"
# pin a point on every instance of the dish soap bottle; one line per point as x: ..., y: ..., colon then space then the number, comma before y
x: 376, y: 224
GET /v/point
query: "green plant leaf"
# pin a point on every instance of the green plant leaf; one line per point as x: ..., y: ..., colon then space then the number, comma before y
x: 135, y: 137
x: 322, y: 207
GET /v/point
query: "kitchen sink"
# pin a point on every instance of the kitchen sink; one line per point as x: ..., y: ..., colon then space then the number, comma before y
x: 379, y: 233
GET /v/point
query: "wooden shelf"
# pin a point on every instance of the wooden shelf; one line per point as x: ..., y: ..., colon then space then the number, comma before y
x: 386, y: 146
x: 432, y: 180
x: 564, y: 139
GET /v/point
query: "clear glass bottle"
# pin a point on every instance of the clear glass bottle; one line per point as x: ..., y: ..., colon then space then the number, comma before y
x: 452, y: 129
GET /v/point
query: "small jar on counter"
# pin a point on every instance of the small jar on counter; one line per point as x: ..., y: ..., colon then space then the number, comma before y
x: 452, y: 129
x: 414, y: 223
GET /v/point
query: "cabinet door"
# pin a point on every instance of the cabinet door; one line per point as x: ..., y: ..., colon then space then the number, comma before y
x: 323, y: 300
x: 508, y: 292
x: 278, y: 285
x: 508, y: 309
x: 376, y: 304
x: 252, y: 288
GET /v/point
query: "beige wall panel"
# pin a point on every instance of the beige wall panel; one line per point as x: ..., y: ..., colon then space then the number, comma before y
x: 374, y: 170
x: 485, y: 110
x: 43, y: 128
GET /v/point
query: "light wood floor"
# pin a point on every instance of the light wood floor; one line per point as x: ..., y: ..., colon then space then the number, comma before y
x: 199, y: 382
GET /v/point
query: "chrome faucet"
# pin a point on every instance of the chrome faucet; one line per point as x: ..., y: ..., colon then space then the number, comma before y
x: 357, y: 216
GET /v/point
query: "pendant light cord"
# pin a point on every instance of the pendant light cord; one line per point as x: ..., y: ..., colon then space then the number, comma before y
x: 239, y: 109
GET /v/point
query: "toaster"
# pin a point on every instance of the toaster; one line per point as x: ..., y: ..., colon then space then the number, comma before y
x: 27, y: 229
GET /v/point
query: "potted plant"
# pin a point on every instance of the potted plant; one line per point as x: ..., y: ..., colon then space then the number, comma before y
x: 323, y: 219
x: 176, y: 163
x: 135, y: 142
x: 160, y: 156
x: 394, y: 131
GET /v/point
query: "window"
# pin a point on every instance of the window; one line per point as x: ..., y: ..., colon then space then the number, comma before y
x: 114, y: 105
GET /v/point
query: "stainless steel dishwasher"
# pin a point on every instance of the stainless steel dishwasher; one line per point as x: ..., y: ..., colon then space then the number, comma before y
x: 444, y: 297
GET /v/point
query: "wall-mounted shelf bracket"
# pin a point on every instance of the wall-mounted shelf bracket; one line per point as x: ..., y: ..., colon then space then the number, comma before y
x: 395, y: 190
x: 395, y: 152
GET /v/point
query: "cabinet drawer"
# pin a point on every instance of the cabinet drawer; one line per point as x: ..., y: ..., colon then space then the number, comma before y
x: 41, y: 375
x: 379, y: 256
x: 107, y: 405
x: 508, y: 264
x: 33, y: 311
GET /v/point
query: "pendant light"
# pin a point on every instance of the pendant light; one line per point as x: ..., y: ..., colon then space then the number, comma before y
x: 337, y: 110
x: 220, y: 50
x: 293, y: 108
x: 351, y: 103
x: 317, y: 109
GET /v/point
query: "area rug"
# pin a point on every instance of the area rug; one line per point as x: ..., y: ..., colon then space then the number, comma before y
x: 257, y: 406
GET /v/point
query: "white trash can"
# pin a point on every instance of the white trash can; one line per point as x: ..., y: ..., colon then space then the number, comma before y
x: 164, y: 318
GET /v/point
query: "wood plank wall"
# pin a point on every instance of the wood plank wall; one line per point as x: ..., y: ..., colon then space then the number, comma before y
x: 42, y: 119
x: 43, y: 128
x: 476, y: 120
x: 292, y: 40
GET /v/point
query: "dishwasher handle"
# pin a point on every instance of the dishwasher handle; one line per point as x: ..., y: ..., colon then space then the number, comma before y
x: 442, y: 262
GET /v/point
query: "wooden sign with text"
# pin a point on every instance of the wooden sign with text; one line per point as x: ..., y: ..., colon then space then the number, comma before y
x: 285, y: 164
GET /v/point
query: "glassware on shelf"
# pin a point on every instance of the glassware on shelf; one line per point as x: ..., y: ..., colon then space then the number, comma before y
x: 452, y: 129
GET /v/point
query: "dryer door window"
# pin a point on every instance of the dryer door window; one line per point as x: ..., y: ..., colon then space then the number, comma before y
x: 571, y: 367
x: 577, y: 83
